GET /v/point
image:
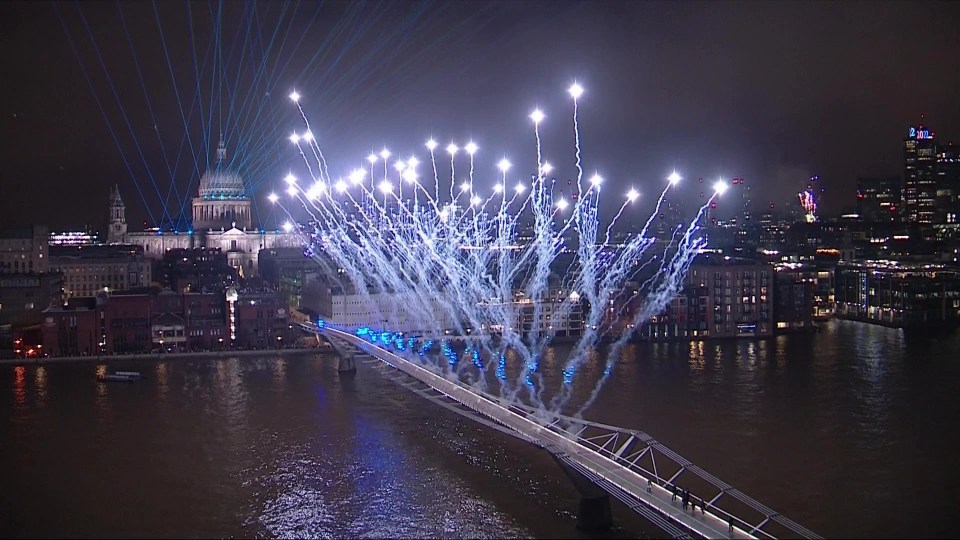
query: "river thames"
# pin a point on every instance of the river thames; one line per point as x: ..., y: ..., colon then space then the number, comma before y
x: 850, y: 431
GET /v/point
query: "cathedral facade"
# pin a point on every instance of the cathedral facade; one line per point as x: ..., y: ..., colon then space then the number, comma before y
x: 221, y: 218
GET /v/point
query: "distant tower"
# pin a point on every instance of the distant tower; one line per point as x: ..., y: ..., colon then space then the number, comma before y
x: 919, y: 176
x: 118, y: 218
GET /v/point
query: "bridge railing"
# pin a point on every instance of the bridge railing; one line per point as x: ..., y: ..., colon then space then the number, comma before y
x: 640, y: 452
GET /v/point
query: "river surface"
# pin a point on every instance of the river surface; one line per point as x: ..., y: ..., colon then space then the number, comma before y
x: 851, y: 431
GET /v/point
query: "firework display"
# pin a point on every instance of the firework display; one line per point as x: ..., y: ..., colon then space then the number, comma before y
x: 423, y: 253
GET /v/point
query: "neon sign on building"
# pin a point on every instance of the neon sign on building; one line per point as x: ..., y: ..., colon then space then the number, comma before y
x: 921, y: 133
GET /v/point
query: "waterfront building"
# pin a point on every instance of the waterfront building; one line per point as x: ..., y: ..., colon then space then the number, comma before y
x: 71, y: 329
x: 793, y: 306
x: 722, y: 297
x: 342, y: 307
x: 819, y: 273
x: 898, y: 294
x: 89, y: 269
x: 686, y: 317
x: 560, y: 313
x: 262, y: 319
x: 557, y: 312
x: 138, y: 321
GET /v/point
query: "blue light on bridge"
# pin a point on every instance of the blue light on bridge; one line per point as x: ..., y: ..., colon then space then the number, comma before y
x: 568, y: 375
x: 476, y: 358
x: 448, y: 352
x: 533, y: 364
x: 502, y: 368
x: 321, y: 324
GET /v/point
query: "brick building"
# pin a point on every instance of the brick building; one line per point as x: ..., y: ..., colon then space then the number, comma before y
x: 138, y: 321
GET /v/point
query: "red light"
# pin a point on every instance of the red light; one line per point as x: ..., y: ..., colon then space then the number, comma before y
x: 773, y: 205
x: 713, y: 205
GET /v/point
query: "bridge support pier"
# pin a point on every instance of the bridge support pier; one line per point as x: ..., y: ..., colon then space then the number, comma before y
x: 346, y: 364
x: 593, y: 512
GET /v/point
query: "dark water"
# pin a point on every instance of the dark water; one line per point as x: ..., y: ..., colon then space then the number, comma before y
x: 851, y: 432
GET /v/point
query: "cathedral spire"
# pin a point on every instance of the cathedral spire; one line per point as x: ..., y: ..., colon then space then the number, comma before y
x: 221, y: 150
x: 118, y: 218
x: 115, y: 198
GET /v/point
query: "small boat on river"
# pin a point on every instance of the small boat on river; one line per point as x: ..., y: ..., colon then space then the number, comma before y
x: 120, y: 376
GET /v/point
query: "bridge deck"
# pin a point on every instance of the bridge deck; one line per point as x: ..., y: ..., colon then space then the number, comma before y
x: 643, y: 494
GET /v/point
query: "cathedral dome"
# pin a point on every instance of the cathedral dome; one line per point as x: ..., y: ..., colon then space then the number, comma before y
x: 217, y: 185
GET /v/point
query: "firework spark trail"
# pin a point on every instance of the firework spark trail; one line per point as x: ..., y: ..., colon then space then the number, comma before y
x: 442, y: 267
x: 432, y: 145
x: 452, y: 149
x: 324, y: 171
x: 576, y: 91
x: 471, y: 149
x: 629, y: 262
x: 302, y: 154
x: 610, y: 288
x: 606, y: 236
x: 658, y: 300
x: 664, y: 261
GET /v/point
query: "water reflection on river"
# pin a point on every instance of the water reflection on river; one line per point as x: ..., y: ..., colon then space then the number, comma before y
x: 849, y: 432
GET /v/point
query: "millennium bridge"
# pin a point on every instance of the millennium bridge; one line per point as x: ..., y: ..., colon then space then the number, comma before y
x: 600, y: 459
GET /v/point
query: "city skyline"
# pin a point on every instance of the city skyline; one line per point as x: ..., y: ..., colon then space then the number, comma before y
x: 749, y: 91
x: 476, y: 268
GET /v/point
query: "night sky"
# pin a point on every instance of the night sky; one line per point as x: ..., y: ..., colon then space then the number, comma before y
x: 135, y: 93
